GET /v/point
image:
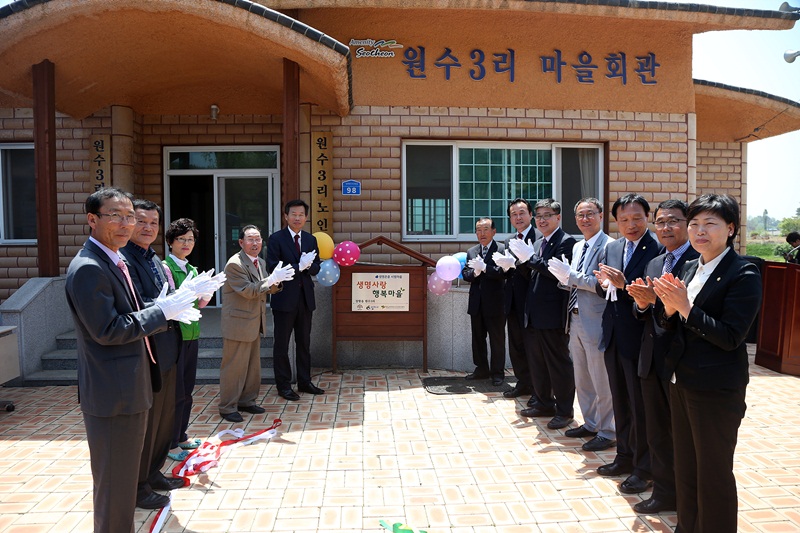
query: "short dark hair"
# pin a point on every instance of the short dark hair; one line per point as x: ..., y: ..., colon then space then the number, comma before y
x: 792, y: 237
x: 589, y: 200
x: 96, y: 200
x: 294, y: 203
x: 517, y: 201
x: 247, y: 227
x: 680, y: 205
x: 721, y: 205
x: 629, y: 199
x: 549, y: 203
x: 483, y: 219
x: 147, y: 205
x: 180, y: 227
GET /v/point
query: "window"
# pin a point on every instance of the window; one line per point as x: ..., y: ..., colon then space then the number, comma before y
x: 17, y: 193
x: 449, y: 185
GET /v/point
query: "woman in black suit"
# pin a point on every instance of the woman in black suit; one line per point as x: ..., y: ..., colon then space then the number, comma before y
x: 712, y: 303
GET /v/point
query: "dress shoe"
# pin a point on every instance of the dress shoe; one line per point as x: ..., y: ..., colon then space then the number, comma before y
x: 516, y: 392
x: 167, y: 483
x: 653, y: 506
x: 578, y: 432
x: 634, y: 485
x: 478, y: 375
x: 532, y: 412
x: 598, y: 444
x: 310, y: 388
x: 289, y: 394
x: 559, y: 422
x: 153, y: 500
x: 614, y: 469
x: 232, y: 417
x: 252, y: 409
x: 497, y: 381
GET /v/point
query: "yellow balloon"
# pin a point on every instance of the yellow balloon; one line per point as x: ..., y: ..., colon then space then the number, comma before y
x: 325, y: 245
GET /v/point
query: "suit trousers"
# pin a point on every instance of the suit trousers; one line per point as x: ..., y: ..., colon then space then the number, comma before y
x: 705, y: 426
x: 185, y: 379
x: 655, y: 393
x: 629, y: 418
x: 239, y: 374
x: 158, y: 438
x: 552, y: 375
x: 299, y: 321
x: 114, y: 480
x: 516, y: 351
x: 494, y: 326
x: 591, y: 380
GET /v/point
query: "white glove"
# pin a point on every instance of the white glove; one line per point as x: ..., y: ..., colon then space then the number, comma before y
x: 204, y: 285
x: 477, y: 264
x: 521, y: 249
x: 307, y: 259
x: 611, y: 293
x: 279, y: 275
x: 176, y: 303
x: 504, y: 260
x: 189, y: 316
x: 560, y: 269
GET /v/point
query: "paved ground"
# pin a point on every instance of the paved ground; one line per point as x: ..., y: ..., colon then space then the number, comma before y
x: 378, y: 447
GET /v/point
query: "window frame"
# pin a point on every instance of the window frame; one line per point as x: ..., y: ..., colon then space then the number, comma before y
x: 3, y: 240
x: 553, y: 147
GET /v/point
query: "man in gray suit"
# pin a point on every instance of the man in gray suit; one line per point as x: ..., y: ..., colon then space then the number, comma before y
x: 112, y: 325
x: 584, y: 313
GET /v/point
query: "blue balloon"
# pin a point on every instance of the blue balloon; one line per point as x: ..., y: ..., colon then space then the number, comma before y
x: 462, y: 258
x: 329, y: 273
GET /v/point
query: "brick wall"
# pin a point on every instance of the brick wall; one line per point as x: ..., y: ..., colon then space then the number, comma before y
x: 721, y: 170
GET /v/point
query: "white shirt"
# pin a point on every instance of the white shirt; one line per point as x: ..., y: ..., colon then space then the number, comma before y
x: 181, y: 262
x: 114, y: 256
x: 701, y: 276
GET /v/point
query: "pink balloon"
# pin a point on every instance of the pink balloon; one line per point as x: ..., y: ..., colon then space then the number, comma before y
x: 448, y: 268
x: 346, y: 253
x: 437, y: 285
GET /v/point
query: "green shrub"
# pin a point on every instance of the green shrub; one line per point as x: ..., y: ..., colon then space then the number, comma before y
x: 764, y: 250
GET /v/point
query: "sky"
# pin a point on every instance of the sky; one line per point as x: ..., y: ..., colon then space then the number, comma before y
x: 754, y: 60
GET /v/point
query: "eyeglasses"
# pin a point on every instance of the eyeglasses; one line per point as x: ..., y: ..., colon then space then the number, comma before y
x: 184, y: 241
x: 547, y: 216
x: 252, y: 240
x: 672, y: 223
x: 589, y: 215
x: 116, y: 218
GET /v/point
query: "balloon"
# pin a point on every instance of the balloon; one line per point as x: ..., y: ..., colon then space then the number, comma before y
x: 325, y: 245
x: 448, y: 268
x: 437, y: 285
x: 329, y: 273
x: 462, y: 258
x: 346, y: 253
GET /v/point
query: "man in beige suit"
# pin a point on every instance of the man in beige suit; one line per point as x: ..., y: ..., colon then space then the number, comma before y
x: 244, y: 321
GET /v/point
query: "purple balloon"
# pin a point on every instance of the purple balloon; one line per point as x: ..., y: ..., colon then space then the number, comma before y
x: 437, y: 285
x: 448, y: 268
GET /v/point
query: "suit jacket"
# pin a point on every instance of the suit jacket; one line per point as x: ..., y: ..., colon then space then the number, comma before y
x: 244, y: 300
x: 165, y: 345
x: 546, y: 304
x: 590, y: 305
x: 517, y: 281
x: 619, y: 324
x: 486, y: 289
x: 113, y: 368
x: 655, y: 339
x: 708, y: 351
x: 281, y: 248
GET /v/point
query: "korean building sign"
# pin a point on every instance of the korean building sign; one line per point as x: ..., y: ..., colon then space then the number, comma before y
x: 380, y: 292
x: 322, y: 181
x: 100, y: 161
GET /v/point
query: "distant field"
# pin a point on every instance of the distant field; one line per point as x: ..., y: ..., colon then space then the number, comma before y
x: 764, y: 250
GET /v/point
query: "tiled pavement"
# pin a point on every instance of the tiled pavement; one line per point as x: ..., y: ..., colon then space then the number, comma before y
x: 377, y: 447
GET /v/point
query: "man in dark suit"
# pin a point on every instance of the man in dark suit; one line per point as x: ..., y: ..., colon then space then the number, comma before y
x: 520, y: 213
x: 114, y: 384
x: 546, y: 339
x: 622, y: 339
x: 485, y: 306
x: 293, y: 307
x: 148, y: 277
x: 672, y: 232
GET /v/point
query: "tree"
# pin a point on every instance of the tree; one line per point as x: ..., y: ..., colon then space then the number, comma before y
x: 788, y: 225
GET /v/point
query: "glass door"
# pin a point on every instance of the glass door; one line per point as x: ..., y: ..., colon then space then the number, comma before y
x: 244, y: 200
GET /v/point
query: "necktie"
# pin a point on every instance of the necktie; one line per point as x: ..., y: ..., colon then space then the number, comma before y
x: 484, y: 249
x: 573, y: 293
x: 124, y: 268
x: 519, y: 235
x: 297, y: 243
x: 543, y: 248
x: 669, y: 262
x: 255, y: 263
x: 628, y: 254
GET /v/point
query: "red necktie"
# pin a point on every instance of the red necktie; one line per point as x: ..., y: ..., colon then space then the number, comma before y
x: 255, y: 262
x: 124, y: 268
x: 297, y: 243
x: 519, y: 235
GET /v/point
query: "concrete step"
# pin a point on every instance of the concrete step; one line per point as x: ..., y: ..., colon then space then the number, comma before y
x: 45, y: 378
x: 208, y: 359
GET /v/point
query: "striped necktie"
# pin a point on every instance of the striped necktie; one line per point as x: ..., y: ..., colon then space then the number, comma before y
x: 669, y: 262
x: 573, y: 293
x: 629, y: 248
